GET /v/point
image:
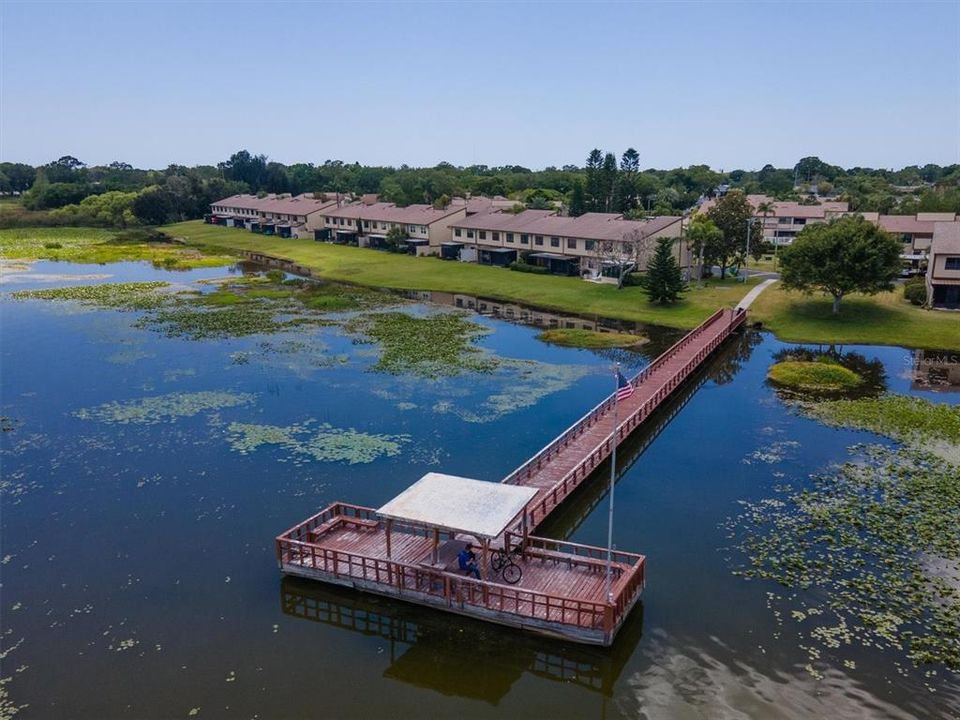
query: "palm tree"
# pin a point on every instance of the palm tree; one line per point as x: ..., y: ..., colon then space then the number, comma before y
x: 765, y: 208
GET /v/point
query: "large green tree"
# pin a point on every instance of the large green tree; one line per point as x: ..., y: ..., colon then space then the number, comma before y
x: 844, y: 256
x: 664, y: 281
x: 731, y: 214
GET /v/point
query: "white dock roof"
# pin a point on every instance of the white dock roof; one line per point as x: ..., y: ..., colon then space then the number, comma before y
x: 474, y: 507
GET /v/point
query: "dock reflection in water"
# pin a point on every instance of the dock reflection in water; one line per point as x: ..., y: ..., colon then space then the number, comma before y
x: 429, y: 649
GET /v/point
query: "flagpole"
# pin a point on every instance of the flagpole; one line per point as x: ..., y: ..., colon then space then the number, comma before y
x: 613, y: 474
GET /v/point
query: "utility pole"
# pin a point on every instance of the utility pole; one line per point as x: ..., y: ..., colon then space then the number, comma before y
x: 746, y: 258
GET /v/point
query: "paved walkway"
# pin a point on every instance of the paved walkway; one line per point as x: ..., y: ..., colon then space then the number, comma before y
x: 754, y: 294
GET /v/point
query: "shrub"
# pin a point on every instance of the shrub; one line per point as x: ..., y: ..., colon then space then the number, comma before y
x: 52, y: 245
x: 915, y: 291
x: 635, y: 279
x: 275, y: 276
x: 524, y: 267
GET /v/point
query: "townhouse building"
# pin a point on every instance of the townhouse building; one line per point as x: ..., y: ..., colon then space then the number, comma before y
x: 594, y: 245
x: 367, y: 224
x: 943, y: 267
x: 283, y: 215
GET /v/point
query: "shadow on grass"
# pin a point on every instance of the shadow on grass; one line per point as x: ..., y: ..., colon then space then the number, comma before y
x: 853, y: 311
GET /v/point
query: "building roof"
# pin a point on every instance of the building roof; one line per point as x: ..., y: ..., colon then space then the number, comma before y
x: 389, y: 212
x: 905, y: 224
x: 936, y: 216
x: 475, y: 507
x: 304, y: 204
x: 946, y: 238
x: 590, y: 226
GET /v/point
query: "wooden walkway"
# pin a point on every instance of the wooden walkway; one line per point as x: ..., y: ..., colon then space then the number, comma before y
x: 566, y: 462
x: 563, y: 589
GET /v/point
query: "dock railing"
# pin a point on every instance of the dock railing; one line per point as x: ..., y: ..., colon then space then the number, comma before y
x: 542, y: 505
x: 535, y: 463
x: 293, y: 549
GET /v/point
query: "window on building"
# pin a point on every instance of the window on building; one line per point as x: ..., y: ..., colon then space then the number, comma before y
x: 366, y: 224
x: 525, y: 239
x: 469, y: 233
x: 554, y: 242
x: 952, y: 263
x: 538, y: 240
x: 588, y: 245
x: 483, y: 234
x: 411, y: 228
x: 456, y: 231
x: 906, y: 237
x: 423, y: 229
x: 572, y: 243
x: 496, y: 237
x: 509, y: 237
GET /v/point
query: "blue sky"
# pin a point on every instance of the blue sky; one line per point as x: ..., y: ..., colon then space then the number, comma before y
x: 727, y: 84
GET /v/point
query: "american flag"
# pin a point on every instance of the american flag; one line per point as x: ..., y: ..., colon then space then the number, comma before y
x: 624, y: 388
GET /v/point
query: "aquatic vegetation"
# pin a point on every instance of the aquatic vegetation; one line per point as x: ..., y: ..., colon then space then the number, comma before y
x: 122, y: 296
x: 908, y: 419
x: 186, y: 319
x: 520, y: 384
x: 863, y: 539
x: 590, y: 339
x: 815, y: 376
x: 91, y: 245
x: 163, y: 408
x: 432, y: 346
x: 323, y: 443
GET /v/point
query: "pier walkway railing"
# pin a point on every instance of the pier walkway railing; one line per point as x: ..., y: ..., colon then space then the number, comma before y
x: 569, y: 459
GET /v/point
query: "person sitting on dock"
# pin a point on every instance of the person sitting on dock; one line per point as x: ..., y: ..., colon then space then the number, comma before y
x: 468, y: 561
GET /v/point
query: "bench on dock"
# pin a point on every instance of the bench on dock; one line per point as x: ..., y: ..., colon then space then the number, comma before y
x: 333, y: 523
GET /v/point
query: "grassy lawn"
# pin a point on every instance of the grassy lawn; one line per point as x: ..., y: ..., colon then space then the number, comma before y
x: 380, y: 269
x: 885, y: 319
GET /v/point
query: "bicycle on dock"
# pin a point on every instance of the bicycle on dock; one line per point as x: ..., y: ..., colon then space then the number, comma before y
x: 502, y: 562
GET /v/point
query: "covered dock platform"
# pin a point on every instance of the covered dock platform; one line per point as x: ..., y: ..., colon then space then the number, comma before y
x: 408, y: 549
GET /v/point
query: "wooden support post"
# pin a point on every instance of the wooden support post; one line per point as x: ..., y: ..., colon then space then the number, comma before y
x: 436, y: 545
x: 389, y: 526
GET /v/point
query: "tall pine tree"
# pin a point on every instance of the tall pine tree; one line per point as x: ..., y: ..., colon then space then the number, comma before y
x: 593, y: 191
x: 626, y: 199
x: 664, y: 281
x: 577, y: 201
x: 608, y: 174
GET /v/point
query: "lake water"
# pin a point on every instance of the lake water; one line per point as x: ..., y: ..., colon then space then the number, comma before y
x: 139, y: 577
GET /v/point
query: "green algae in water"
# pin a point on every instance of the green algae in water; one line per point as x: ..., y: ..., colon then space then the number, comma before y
x: 908, y: 419
x: 124, y: 296
x: 876, y: 542
x: 194, y: 322
x: 528, y: 383
x: 434, y: 346
x: 163, y: 408
x: 323, y: 443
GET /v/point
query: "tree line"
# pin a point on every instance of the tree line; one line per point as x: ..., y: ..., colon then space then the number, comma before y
x: 67, y: 190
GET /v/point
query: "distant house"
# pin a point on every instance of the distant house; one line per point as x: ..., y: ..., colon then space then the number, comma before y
x: 282, y: 215
x: 785, y: 219
x: 364, y: 225
x: 562, y: 245
x: 943, y: 269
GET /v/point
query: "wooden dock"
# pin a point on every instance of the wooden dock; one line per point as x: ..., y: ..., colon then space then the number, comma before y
x: 562, y: 591
x: 566, y: 462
